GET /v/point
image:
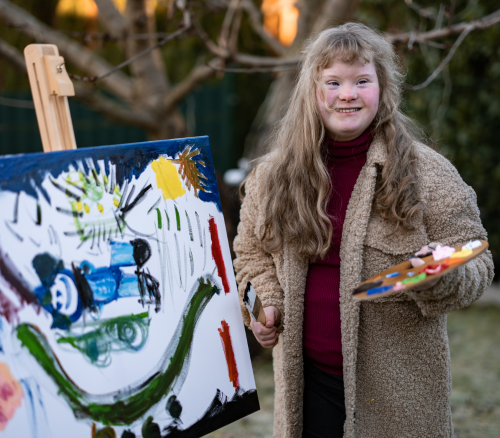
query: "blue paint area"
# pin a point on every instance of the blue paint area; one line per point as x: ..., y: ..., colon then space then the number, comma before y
x: 122, y: 254
x: 106, y: 283
x: 378, y: 290
x: 26, y: 172
x: 394, y: 274
x: 60, y: 294
x: 129, y: 286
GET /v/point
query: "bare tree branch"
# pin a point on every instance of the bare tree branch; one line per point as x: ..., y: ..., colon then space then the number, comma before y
x: 252, y: 70
x: 232, y: 43
x: 113, y: 110
x: 445, y: 61
x: 111, y: 18
x: 482, y: 23
x: 209, y: 44
x: 83, y: 58
x: 245, y: 59
x: 423, y: 12
x: 169, y: 37
x: 181, y: 90
x: 256, y: 22
x: 12, y: 55
x: 226, y: 24
x: 151, y: 80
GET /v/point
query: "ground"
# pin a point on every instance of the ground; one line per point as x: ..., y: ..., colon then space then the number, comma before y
x: 475, y: 361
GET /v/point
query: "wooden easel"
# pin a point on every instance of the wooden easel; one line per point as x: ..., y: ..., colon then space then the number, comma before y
x: 50, y: 87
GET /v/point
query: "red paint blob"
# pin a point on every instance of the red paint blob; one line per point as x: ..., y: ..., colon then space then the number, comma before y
x: 227, y: 345
x: 217, y: 254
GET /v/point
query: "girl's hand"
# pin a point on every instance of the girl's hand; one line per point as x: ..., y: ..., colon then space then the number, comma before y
x: 267, y: 335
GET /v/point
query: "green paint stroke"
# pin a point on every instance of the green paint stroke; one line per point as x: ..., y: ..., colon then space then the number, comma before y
x: 177, y: 218
x: 158, y: 212
x: 150, y: 429
x: 124, y: 333
x: 128, y: 405
x: 415, y: 279
x: 168, y: 220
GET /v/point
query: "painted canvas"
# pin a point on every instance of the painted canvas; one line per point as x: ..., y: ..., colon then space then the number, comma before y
x: 119, y: 308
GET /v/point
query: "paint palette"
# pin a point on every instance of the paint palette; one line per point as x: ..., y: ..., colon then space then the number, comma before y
x: 404, y: 276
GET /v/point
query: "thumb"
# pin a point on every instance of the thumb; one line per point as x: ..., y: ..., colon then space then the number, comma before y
x: 270, y: 316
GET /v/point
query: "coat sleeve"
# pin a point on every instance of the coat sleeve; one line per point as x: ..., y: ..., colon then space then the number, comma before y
x: 451, y: 217
x: 253, y: 264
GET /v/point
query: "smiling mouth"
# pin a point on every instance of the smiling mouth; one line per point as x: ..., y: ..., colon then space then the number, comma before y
x: 347, y: 110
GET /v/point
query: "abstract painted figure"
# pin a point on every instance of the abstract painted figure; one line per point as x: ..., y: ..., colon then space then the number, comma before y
x: 119, y: 315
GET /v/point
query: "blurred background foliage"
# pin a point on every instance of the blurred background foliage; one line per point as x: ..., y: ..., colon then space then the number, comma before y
x: 460, y: 110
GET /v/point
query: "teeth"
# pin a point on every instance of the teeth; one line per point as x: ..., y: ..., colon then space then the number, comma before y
x: 348, y: 110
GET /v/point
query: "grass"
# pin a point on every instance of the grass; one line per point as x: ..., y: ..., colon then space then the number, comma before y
x: 475, y: 365
x: 475, y: 362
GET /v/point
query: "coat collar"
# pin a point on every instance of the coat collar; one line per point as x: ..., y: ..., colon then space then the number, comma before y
x: 377, y: 153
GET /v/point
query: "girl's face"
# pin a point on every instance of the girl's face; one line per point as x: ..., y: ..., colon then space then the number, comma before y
x: 352, y: 91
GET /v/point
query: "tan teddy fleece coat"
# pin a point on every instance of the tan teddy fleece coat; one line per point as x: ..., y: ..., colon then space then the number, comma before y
x: 396, y: 357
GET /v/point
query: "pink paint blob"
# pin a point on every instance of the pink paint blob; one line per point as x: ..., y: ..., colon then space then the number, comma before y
x: 11, y: 394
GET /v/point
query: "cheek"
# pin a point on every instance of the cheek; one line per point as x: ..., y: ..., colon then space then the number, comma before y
x: 371, y: 99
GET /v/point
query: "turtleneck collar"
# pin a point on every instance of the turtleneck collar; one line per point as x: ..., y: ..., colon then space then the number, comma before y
x: 352, y: 148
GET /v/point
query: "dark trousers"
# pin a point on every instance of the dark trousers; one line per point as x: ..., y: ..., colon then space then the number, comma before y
x: 324, y: 406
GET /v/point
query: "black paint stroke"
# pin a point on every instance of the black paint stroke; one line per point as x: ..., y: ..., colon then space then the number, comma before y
x: 38, y: 214
x: 65, y: 191
x: 16, y: 209
x: 147, y: 283
x: 18, y: 236
x: 220, y: 413
x: 141, y: 251
x: 96, y: 178
x: 123, y: 195
x: 129, y: 197
x: 154, y: 205
x: 70, y: 212
x: 37, y: 244
x: 83, y: 287
x: 139, y: 198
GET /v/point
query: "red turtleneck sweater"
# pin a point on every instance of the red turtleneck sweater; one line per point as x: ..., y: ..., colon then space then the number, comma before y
x: 322, y: 336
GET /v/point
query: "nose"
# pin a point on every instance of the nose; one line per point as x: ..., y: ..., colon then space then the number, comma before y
x: 348, y: 93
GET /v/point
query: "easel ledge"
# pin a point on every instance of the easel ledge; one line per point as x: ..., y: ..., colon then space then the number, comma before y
x: 50, y: 87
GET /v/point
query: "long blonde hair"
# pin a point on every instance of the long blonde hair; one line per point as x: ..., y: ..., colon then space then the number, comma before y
x: 298, y: 186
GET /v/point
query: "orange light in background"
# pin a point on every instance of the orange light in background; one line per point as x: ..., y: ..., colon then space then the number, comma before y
x: 280, y: 19
x: 84, y: 8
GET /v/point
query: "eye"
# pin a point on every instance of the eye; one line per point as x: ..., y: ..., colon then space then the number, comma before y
x: 362, y: 81
x: 333, y: 83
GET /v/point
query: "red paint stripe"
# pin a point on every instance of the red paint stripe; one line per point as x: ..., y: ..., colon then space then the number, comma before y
x: 227, y: 344
x: 217, y: 254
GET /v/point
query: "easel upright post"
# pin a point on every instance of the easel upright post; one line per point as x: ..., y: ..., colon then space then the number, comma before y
x: 50, y: 87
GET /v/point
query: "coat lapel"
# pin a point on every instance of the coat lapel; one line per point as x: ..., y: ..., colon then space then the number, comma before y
x: 351, y: 255
x: 296, y: 268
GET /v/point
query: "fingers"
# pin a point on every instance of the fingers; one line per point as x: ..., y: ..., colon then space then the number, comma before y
x: 266, y: 336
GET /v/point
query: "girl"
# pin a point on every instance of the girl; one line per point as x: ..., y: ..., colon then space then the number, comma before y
x: 346, y: 191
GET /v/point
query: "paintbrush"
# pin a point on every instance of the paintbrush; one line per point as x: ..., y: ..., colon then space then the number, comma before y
x: 253, y: 304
